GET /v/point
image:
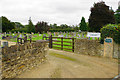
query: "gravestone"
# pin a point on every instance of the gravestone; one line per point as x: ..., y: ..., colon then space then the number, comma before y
x: 44, y: 36
x: 54, y: 33
x: 66, y: 36
x: 39, y: 34
x: 5, y: 34
x: 20, y: 36
x: 108, y: 47
x: 5, y: 44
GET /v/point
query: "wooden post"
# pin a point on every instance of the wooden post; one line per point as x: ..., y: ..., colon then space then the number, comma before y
x: 61, y: 43
x: 46, y: 38
x: 17, y: 40
x: 20, y: 40
x: 30, y: 40
x: 25, y: 39
x: 50, y: 41
x: 72, y: 44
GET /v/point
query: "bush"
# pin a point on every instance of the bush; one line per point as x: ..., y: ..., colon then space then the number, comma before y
x: 111, y: 30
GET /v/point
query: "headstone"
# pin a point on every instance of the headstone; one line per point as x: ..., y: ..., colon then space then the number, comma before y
x: 5, y: 34
x: 44, y: 36
x: 66, y: 36
x: 89, y: 38
x: 54, y: 33
x: 20, y: 36
x: 5, y: 44
x: 39, y: 34
x: 14, y: 36
x: 93, y: 38
x: 108, y: 47
x: 30, y: 36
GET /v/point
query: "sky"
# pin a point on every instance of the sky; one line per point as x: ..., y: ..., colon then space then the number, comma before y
x: 67, y: 12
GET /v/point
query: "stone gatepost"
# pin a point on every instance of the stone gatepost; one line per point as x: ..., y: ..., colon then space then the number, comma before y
x: 108, y: 47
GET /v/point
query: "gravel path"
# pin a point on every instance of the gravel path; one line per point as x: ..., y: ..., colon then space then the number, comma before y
x: 62, y: 64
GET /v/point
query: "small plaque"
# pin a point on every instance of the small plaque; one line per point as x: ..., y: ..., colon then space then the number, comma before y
x: 108, y: 40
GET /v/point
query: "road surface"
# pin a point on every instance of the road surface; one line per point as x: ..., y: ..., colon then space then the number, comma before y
x: 62, y: 64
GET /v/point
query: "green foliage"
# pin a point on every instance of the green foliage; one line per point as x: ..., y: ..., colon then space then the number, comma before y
x: 76, y: 29
x: 6, y: 24
x: 41, y: 27
x: 31, y: 27
x: 61, y: 30
x: 20, y: 30
x: 117, y: 16
x: 18, y: 25
x: 112, y: 31
x: 0, y: 24
x: 100, y: 16
x: 83, y: 25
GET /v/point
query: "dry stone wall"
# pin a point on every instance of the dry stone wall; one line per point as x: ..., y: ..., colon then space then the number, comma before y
x: 116, y: 50
x: 19, y: 58
x: 94, y: 48
x: 89, y: 47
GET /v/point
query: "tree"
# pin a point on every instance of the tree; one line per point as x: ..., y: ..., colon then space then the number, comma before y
x: 100, y: 16
x: 18, y: 25
x: 0, y: 24
x: 7, y: 25
x: 31, y: 27
x: 83, y: 25
x: 117, y: 16
x: 41, y: 27
x: 64, y: 26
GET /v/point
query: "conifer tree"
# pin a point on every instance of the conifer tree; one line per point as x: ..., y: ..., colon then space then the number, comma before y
x: 31, y: 27
x: 83, y: 25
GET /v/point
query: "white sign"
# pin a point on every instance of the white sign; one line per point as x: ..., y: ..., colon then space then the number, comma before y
x: 92, y: 34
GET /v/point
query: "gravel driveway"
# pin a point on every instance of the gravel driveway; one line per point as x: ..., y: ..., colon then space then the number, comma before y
x: 62, y: 64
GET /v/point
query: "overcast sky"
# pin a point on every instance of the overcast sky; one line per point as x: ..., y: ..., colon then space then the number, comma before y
x: 52, y: 11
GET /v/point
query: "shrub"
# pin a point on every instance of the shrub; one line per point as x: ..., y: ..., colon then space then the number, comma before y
x: 111, y: 30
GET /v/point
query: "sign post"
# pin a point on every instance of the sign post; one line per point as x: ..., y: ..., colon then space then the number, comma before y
x: 108, y: 47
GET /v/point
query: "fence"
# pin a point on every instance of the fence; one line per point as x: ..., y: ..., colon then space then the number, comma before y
x: 51, y: 44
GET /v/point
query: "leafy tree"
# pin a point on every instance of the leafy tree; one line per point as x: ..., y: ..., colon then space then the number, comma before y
x: 117, y: 16
x: 31, y: 27
x: 41, y: 27
x: 7, y: 25
x: 100, y: 16
x: 53, y: 26
x: 64, y: 26
x: 83, y: 25
x: 18, y: 25
x: 76, y: 28
x: 0, y: 24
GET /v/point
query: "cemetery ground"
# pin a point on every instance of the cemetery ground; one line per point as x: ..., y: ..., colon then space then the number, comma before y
x: 37, y: 36
x: 62, y: 64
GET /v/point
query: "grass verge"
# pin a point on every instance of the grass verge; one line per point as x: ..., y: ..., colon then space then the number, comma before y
x: 62, y: 56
